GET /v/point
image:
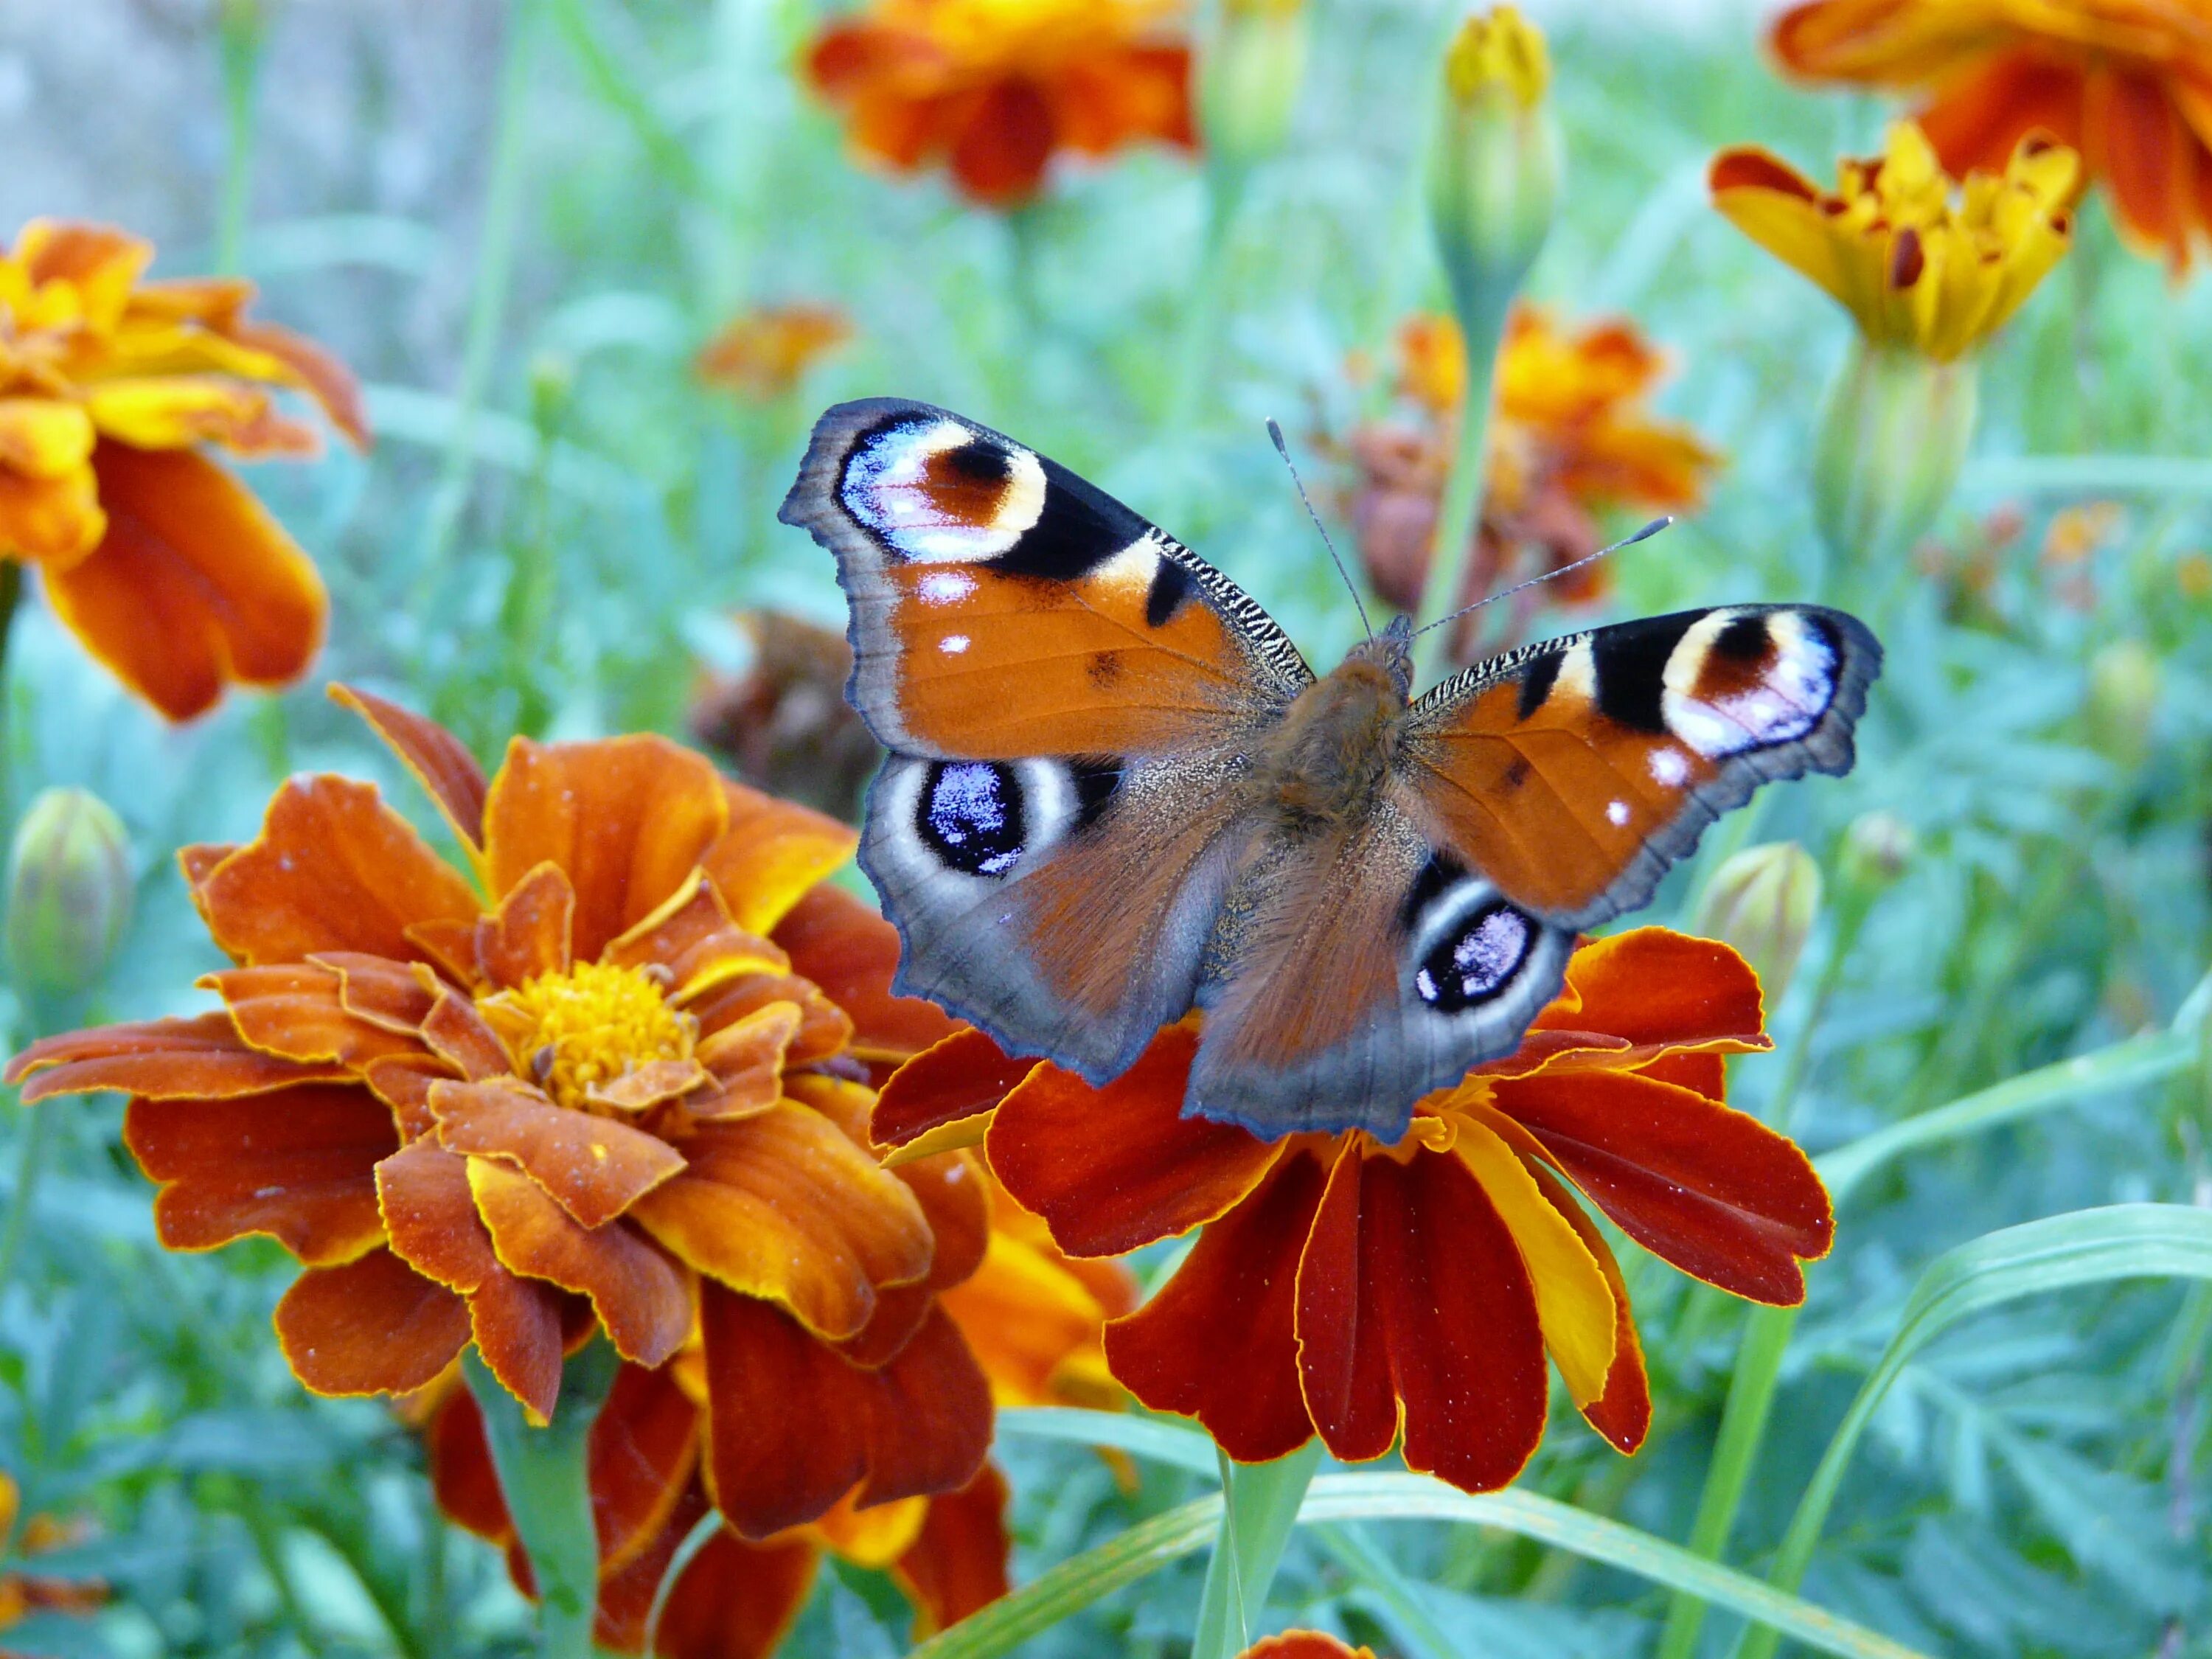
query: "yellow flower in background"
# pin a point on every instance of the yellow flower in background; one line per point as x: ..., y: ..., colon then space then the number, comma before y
x: 763, y: 353
x: 1499, y: 48
x: 1494, y: 164
x: 1917, y: 265
x: 165, y: 566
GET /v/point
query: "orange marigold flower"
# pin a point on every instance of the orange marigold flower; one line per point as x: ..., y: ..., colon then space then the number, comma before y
x: 1303, y: 1644
x: 2128, y: 83
x: 994, y: 89
x: 158, y: 560
x: 624, y: 1086
x: 1347, y: 1288
x: 22, y: 1594
x: 1033, y: 1317
x: 763, y: 353
x: 1915, y: 267
x: 1571, y: 438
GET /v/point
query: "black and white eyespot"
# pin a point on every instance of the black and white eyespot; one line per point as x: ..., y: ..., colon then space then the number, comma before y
x: 1471, y: 952
x: 1742, y: 680
x: 935, y: 490
x: 982, y: 821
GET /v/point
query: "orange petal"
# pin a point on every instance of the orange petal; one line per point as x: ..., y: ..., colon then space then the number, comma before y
x: 1622, y: 1414
x: 1027, y: 1318
x: 442, y: 764
x: 628, y: 818
x: 851, y: 952
x: 1303, y: 1644
x: 528, y: 934
x: 691, y: 936
x: 647, y: 1085
x: 644, y: 1446
x: 951, y: 1189
x: 958, y: 1565
x: 461, y: 1477
x: 403, y: 1082
x: 43, y: 437
x: 392, y: 996
x: 734, y: 1600
x: 781, y: 1205
x: 595, y: 1167
x: 327, y: 380
x: 1113, y: 1169
x: 55, y: 522
x: 1715, y: 1192
x: 823, y: 1030
x: 1218, y: 1340
x: 638, y: 1293
x: 516, y: 1324
x: 375, y: 1326
x: 1344, y: 1358
x: 430, y: 1216
x: 203, y: 1058
x: 457, y: 1034
x: 175, y: 411
x: 747, y: 1060
x: 193, y: 586
x: 296, y: 1010
x: 298, y: 1164
x: 1652, y: 986
x: 2138, y: 142
x: 961, y: 1077
x: 333, y: 869
x: 1005, y: 138
x: 771, y: 853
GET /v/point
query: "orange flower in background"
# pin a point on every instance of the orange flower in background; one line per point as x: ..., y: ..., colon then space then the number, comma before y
x: 613, y: 1075
x: 1571, y: 438
x: 763, y: 353
x: 23, y: 1594
x: 1034, y: 1319
x: 1303, y: 1644
x: 1917, y: 267
x: 994, y: 89
x: 2128, y: 83
x: 164, y: 567
x: 1408, y: 1294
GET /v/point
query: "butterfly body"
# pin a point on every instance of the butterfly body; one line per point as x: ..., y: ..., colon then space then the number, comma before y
x: 1117, y: 792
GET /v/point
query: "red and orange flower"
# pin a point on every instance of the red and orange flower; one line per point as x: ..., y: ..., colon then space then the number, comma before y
x: 1408, y: 1294
x: 763, y: 353
x: 1571, y: 438
x: 613, y: 1076
x: 1032, y: 1316
x: 23, y: 1594
x: 2126, y: 82
x: 158, y: 560
x: 994, y: 89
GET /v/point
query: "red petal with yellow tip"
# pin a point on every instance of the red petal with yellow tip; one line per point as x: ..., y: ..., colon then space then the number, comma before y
x: 1218, y: 1342
x: 960, y: 1077
x: 441, y: 762
x: 298, y: 1164
x: 1113, y: 1169
x: 201, y: 1058
x: 375, y: 1326
x: 296, y: 1010
x: 773, y: 851
x: 528, y: 934
x: 958, y: 1565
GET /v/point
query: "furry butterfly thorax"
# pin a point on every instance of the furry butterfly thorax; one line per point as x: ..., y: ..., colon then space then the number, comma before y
x: 1115, y: 791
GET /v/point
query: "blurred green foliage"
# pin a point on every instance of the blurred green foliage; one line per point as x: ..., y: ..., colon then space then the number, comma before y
x: 556, y: 519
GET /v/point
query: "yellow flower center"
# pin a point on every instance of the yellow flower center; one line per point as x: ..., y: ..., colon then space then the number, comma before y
x: 574, y: 1032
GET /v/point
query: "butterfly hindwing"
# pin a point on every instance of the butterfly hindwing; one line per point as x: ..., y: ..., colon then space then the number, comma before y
x: 1573, y: 774
x: 1003, y: 608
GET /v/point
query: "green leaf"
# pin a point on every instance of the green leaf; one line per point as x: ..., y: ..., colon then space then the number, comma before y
x: 2087, y: 1247
x: 1075, y: 1583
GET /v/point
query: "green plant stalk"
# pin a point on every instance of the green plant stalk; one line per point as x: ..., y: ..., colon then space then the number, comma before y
x: 240, y: 32
x: 31, y: 1155
x: 1202, y: 321
x: 2084, y: 1247
x: 1453, y: 549
x: 487, y: 294
x: 1261, y: 1506
x: 618, y: 89
x: 545, y: 1475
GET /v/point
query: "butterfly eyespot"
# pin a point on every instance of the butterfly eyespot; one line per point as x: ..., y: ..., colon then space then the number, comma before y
x: 1476, y: 961
x: 971, y: 816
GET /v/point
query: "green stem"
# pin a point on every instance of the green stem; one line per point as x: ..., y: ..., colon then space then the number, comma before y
x: 11, y: 594
x: 488, y: 294
x: 1462, y: 506
x: 545, y: 1475
x: 1743, y: 1426
x: 239, y: 33
x: 1261, y: 1506
x: 37, y: 1135
x: 1202, y: 321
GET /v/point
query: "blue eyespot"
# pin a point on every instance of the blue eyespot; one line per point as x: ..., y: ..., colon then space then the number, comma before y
x: 971, y: 816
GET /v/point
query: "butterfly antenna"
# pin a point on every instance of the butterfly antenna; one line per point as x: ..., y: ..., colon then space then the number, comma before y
x: 1283, y: 450
x: 1649, y: 529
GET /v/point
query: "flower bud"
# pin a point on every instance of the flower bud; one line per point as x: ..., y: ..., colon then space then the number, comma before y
x: 68, y: 892
x: 1493, y: 173
x: 1763, y: 902
x: 1878, y: 847
x: 1249, y: 77
x: 2122, y: 700
x: 1893, y: 437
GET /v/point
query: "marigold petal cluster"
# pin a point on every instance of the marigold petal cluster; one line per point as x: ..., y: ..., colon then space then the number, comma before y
x: 1572, y: 437
x: 613, y: 1075
x: 992, y: 90
x: 1409, y: 1294
x: 763, y: 353
x: 2125, y: 83
x: 1919, y: 263
x: 111, y: 387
